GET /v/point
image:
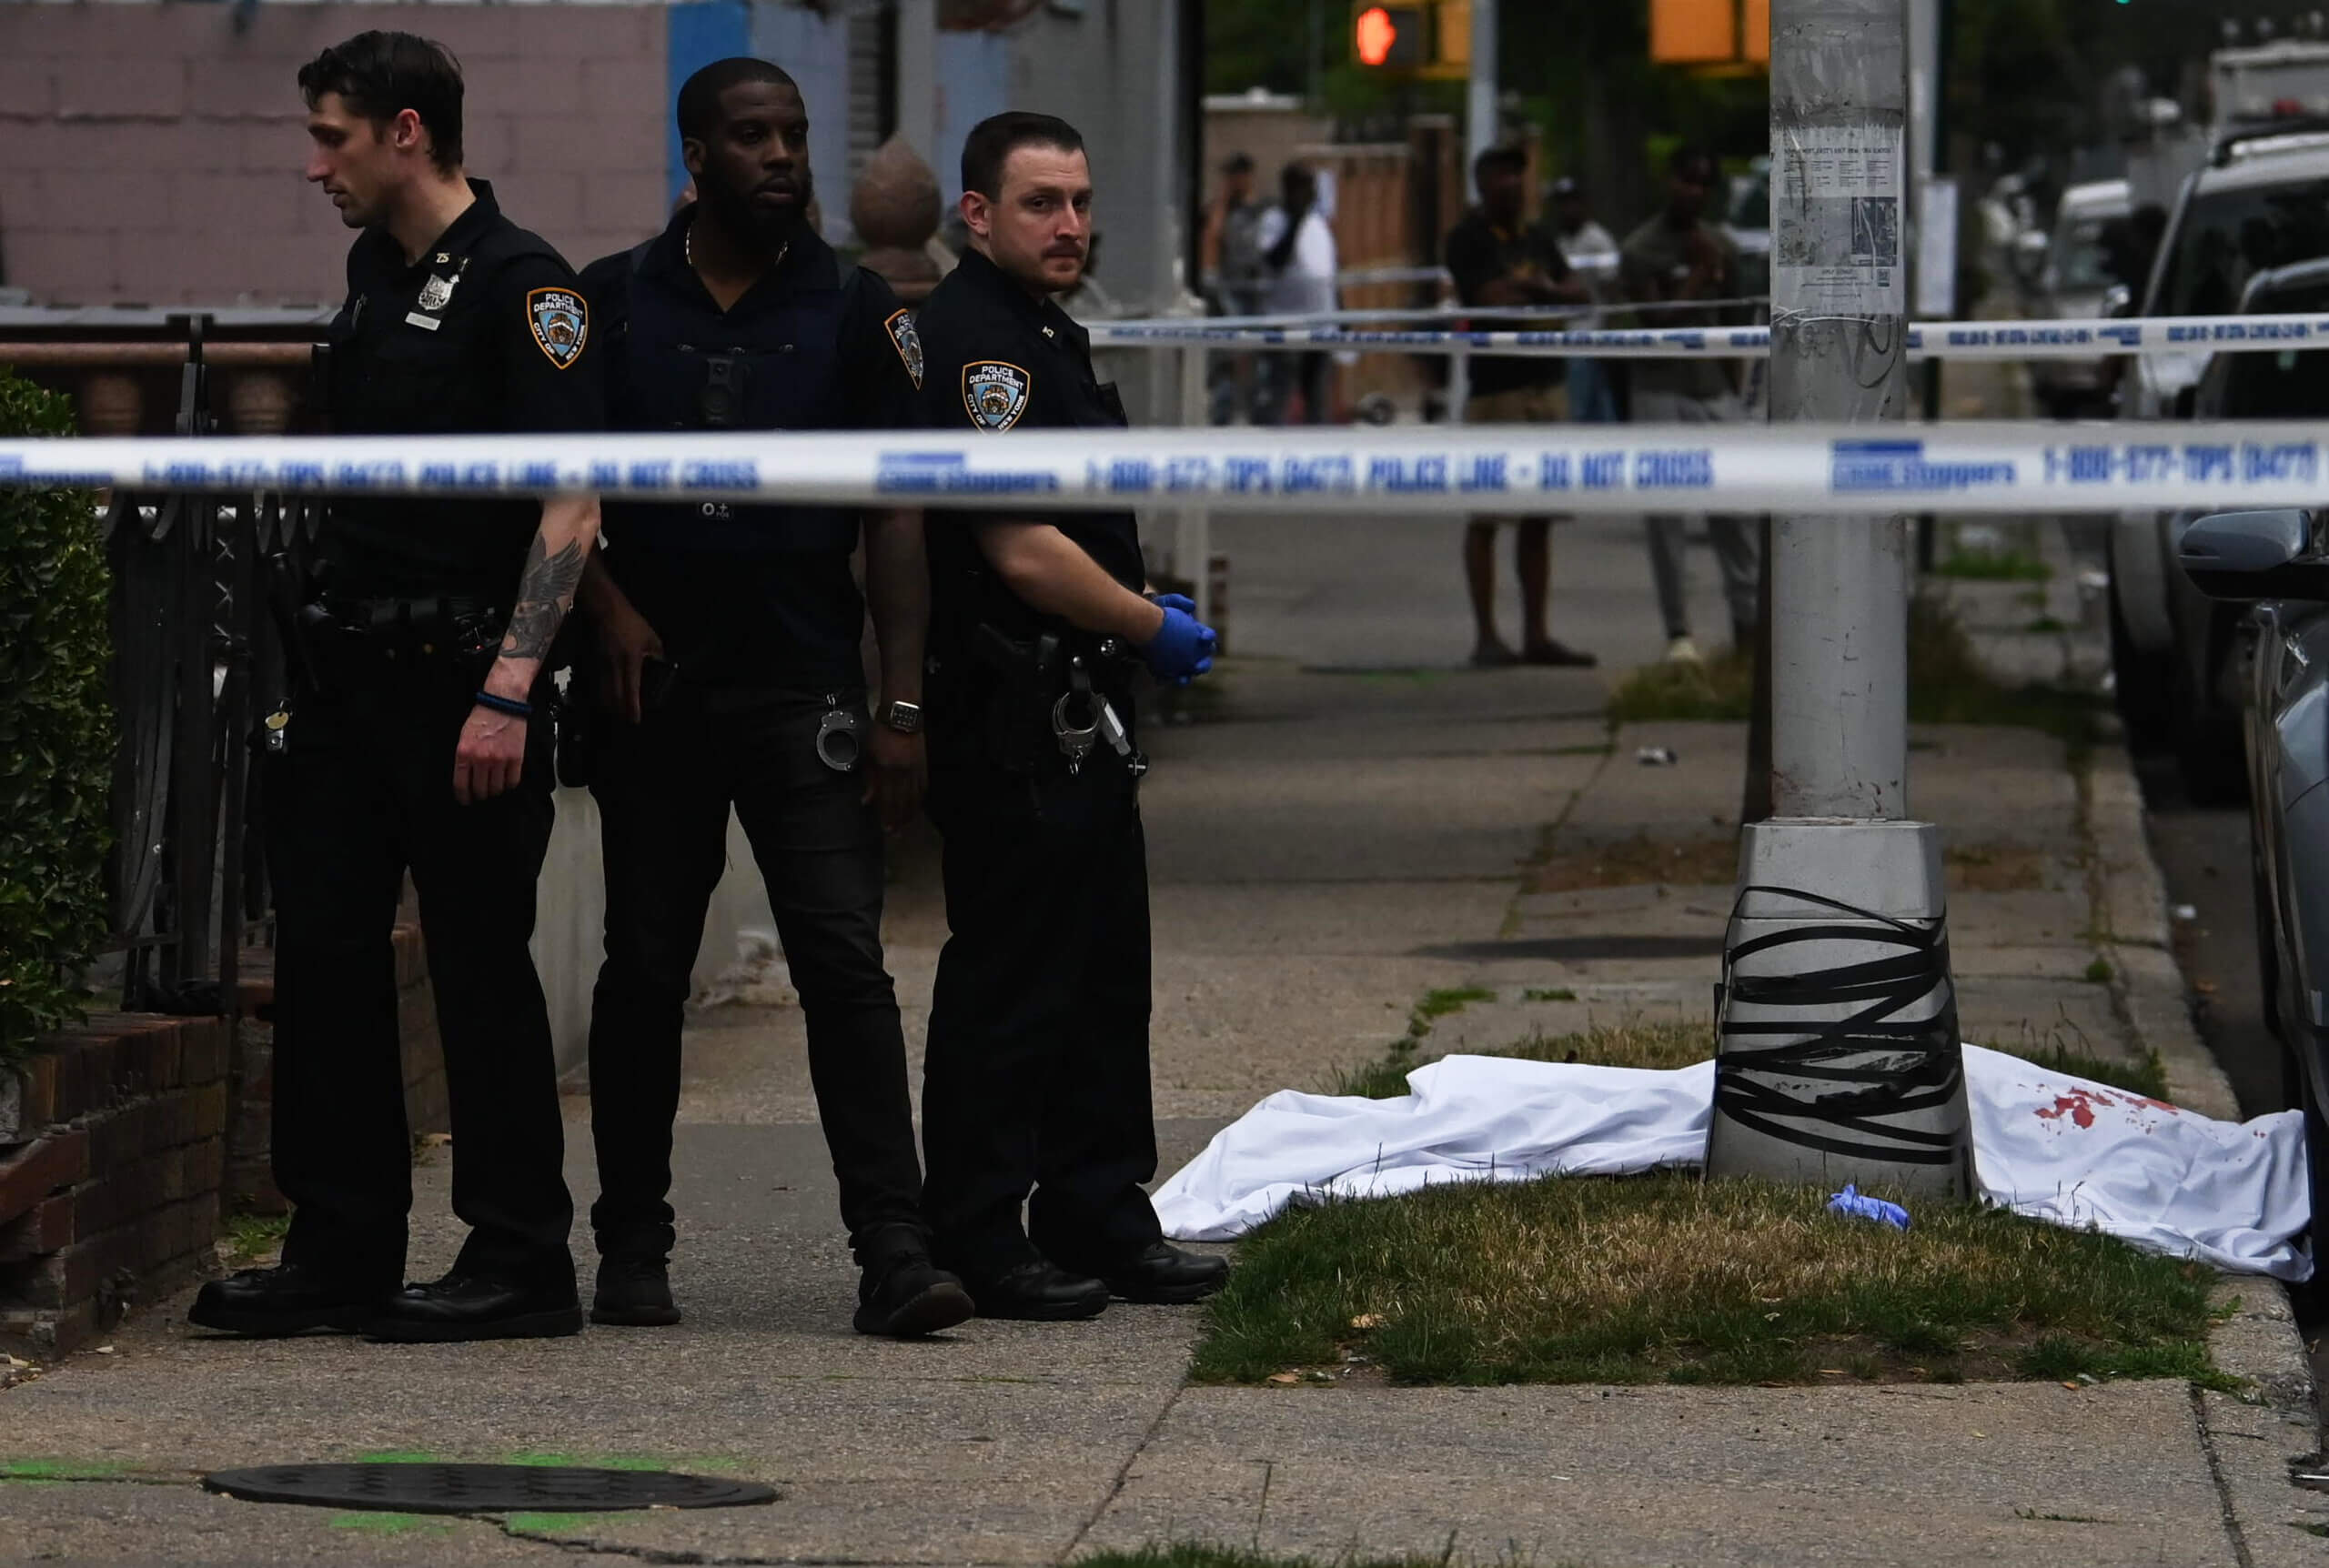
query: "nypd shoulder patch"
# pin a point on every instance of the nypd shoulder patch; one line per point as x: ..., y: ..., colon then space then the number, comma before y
x: 560, y: 323
x: 908, y: 343
x: 995, y: 392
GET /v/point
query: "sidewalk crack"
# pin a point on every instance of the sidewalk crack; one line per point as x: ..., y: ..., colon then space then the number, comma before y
x: 1123, y: 1473
x: 2232, y: 1529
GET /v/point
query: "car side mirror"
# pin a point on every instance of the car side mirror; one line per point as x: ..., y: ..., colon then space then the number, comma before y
x: 2251, y: 556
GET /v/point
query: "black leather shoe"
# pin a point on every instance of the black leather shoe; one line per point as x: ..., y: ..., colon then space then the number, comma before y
x: 1165, y: 1275
x: 289, y: 1298
x: 466, y: 1307
x: 902, y: 1293
x: 1039, y: 1292
x: 635, y: 1291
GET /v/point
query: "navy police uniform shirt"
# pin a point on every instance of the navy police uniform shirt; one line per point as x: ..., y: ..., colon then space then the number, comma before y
x: 1001, y: 359
x: 744, y: 594
x: 486, y: 333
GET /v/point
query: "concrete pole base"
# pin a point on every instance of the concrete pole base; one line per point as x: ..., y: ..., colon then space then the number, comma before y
x: 1839, y: 1060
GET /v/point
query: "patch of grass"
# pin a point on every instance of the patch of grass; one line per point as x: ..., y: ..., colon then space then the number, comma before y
x: 2147, y: 1078
x: 1204, y: 1554
x: 1548, y: 993
x: 251, y: 1238
x: 2059, y: 1518
x: 1666, y: 1276
x: 547, y: 1523
x: 2321, y: 1529
x: 61, y: 1469
x: 1948, y: 684
x: 1438, y: 1004
x: 2099, y: 972
x: 1722, y: 688
x: 1992, y: 566
x: 393, y: 1523
x: 1660, y: 1043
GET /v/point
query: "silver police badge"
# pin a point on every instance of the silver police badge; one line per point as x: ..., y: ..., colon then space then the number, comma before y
x: 560, y: 324
x: 437, y: 291
x: 996, y: 393
x: 908, y: 343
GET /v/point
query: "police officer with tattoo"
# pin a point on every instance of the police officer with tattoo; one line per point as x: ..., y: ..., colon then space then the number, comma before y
x: 417, y: 744
x: 730, y: 640
x: 1036, y: 1094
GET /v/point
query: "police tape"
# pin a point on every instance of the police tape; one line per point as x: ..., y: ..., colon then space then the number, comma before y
x: 1563, y: 468
x: 1927, y: 341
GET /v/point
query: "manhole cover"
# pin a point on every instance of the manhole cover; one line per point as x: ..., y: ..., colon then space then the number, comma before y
x: 482, y: 1488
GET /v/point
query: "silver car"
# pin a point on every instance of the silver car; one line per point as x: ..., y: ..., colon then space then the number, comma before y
x: 2274, y: 567
x: 2074, y: 285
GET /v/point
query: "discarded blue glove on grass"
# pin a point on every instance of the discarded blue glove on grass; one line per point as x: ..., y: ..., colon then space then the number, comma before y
x: 1851, y: 1201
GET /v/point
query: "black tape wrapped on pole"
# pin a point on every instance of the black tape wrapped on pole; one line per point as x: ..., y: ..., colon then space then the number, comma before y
x: 1839, y: 1058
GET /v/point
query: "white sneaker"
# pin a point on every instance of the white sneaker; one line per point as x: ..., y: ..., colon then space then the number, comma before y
x: 1682, y: 650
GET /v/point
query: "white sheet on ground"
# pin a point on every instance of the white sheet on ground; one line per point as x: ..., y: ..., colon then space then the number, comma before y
x: 2046, y: 1144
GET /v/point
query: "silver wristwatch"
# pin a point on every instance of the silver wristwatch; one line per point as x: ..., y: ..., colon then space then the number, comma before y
x: 906, y: 717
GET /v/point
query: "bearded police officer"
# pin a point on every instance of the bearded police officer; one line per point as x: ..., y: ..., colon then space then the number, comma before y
x: 730, y: 638
x: 415, y: 745
x: 1037, y: 1073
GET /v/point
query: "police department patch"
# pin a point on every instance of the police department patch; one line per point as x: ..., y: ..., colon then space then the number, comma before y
x: 560, y: 324
x: 908, y: 343
x: 996, y: 393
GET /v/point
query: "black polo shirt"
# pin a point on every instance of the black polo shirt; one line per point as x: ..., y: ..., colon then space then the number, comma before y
x: 743, y: 594
x: 1480, y: 252
x: 485, y: 333
x: 1000, y: 359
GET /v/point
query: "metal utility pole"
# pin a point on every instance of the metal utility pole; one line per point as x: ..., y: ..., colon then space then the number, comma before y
x: 1839, y: 1058
x: 1479, y: 94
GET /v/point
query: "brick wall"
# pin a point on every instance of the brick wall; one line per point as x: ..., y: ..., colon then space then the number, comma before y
x: 114, y: 1197
x: 152, y: 153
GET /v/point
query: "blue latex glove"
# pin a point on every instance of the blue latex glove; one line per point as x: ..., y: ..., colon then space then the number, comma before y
x: 1851, y: 1201
x: 1183, y: 647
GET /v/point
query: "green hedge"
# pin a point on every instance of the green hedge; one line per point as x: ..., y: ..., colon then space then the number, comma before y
x: 56, y: 737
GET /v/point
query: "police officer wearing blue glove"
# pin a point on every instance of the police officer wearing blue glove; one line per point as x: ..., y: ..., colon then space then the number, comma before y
x: 1036, y: 1118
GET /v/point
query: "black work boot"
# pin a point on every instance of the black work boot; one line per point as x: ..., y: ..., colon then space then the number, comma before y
x: 635, y: 1290
x: 1165, y: 1275
x: 1039, y: 1293
x: 473, y: 1307
x: 289, y: 1298
x: 902, y: 1293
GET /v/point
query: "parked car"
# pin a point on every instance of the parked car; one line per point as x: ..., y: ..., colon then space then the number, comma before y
x: 2073, y: 285
x: 2273, y: 566
x: 2261, y: 205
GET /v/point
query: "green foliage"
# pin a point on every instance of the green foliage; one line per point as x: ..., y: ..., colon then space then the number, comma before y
x: 55, y: 736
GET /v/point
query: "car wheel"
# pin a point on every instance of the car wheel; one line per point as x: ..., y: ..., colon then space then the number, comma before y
x: 2141, y: 686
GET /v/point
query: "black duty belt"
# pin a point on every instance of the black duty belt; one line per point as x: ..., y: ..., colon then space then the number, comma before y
x: 447, y: 624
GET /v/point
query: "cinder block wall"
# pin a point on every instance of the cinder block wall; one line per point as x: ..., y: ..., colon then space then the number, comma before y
x: 150, y: 153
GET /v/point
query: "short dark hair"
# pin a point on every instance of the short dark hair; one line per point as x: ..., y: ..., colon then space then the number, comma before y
x: 699, y: 106
x: 382, y: 74
x: 992, y: 142
x: 1506, y: 158
x: 1688, y: 156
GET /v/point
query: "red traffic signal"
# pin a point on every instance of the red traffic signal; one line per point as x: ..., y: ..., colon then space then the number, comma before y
x: 1390, y: 36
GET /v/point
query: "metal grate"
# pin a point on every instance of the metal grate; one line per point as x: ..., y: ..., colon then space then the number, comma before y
x: 482, y: 1488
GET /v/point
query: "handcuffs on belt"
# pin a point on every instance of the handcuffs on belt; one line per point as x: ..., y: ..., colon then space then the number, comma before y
x: 1077, y: 741
x: 841, y: 736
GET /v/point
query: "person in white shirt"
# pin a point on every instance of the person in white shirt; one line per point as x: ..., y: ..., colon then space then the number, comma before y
x: 1299, y: 263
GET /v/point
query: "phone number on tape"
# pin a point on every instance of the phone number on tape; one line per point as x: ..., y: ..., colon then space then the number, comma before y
x: 2185, y: 462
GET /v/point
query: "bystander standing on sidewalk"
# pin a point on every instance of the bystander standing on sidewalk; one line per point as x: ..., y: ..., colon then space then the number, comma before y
x: 1499, y: 258
x: 1299, y: 262
x: 1592, y: 253
x: 1677, y: 257
x: 1231, y: 255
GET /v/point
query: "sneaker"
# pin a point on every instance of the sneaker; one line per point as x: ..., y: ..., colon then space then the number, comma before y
x: 902, y: 1295
x: 633, y: 1291
x: 1682, y: 650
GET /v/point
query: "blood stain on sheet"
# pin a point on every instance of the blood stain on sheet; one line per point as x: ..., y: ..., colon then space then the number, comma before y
x: 2078, y: 1105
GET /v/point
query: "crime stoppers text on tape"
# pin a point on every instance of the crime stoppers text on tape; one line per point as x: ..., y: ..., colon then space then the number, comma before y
x: 1551, y: 468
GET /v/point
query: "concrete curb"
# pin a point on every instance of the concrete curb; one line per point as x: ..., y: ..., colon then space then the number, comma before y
x: 2259, y: 1341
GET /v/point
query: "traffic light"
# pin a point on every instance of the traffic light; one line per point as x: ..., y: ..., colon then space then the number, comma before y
x: 1429, y: 39
x: 1390, y: 37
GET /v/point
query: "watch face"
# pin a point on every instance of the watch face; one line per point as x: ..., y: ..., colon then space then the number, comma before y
x: 903, y: 717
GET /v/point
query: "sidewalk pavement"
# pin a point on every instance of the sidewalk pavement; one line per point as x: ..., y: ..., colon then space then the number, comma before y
x: 1327, y: 845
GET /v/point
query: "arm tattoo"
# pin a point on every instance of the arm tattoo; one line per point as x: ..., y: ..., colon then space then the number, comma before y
x: 544, y: 590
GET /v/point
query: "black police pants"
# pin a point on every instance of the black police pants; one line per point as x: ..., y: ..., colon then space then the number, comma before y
x: 362, y: 794
x: 1036, y: 1089
x: 664, y: 787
